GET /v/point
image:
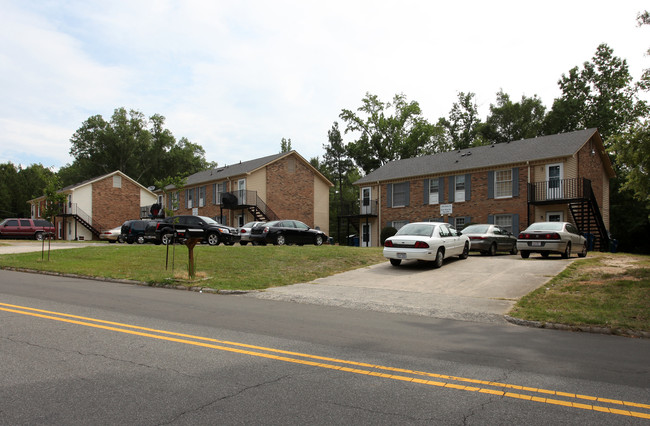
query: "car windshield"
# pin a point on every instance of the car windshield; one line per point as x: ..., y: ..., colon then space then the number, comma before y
x: 476, y: 229
x: 546, y: 226
x: 419, y: 229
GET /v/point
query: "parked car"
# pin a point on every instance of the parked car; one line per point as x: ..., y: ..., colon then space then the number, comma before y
x: 134, y: 231
x: 426, y: 241
x: 112, y: 235
x: 211, y: 231
x: 281, y: 232
x: 25, y: 228
x: 551, y: 237
x: 488, y: 239
x: 245, y: 232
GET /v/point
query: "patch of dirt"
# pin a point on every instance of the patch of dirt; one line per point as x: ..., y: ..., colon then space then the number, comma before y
x: 615, y: 265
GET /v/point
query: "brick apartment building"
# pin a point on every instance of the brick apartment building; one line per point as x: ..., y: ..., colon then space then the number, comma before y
x: 280, y: 186
x: 562, y: 177
x: 97, y: 205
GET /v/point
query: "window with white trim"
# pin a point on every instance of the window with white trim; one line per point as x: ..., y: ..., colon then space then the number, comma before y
x: 503, y: 183
x: 460, y: 188
x: 434, y: 190
x: 175, y: 200
x: 504, y: 221
x: 201, y: 196
x: 459, y: 222
x: 189, y: 203
x: 400, y: 194
x: 218, y: 189
x: 397, y: 224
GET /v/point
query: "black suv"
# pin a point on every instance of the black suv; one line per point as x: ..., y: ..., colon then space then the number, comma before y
x: 134, y: 231
x: 185, y: 227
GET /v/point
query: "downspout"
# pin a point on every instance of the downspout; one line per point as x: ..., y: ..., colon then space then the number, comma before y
x: 528, y: 196
x: 378, y: 234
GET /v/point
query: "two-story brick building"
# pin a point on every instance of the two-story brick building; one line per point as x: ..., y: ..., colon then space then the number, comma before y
x: 280, y: 186
x: 97, y: 205
x: 562, y: 177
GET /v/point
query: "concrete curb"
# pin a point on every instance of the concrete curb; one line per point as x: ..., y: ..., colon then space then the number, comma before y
x: 197, y: 289
x: 581, y: 328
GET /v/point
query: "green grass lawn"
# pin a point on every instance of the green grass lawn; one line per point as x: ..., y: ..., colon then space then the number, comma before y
x: 603, y: 290
x: 221, y: 267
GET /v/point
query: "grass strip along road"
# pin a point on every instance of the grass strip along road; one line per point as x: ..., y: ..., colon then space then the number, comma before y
x: 532, y: 394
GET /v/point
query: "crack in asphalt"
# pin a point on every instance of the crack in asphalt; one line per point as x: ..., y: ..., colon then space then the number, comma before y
x: 223, y: 398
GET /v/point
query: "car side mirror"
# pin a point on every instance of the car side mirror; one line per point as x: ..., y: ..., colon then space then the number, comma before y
x: 459, y: 233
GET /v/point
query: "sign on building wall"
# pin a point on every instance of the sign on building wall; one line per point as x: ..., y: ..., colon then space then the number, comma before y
x: 446, y: 209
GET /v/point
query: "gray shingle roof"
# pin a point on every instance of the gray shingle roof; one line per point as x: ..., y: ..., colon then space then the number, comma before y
x: 501, y: 154
x: 227, y: 171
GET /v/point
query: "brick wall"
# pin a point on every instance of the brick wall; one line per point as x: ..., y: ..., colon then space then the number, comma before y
x: 290, y: 189
x: 112, y: 206
x: 477, y: 208
x: 591, y: 167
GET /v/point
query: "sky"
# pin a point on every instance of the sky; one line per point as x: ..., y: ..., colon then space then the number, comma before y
x: 238, y: 76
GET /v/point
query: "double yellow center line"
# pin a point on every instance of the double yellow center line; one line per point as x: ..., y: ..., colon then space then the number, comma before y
x: 585, y: 402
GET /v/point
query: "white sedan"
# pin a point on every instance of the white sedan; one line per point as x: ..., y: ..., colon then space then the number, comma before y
x: 551, y: 237
x: 427, y: 241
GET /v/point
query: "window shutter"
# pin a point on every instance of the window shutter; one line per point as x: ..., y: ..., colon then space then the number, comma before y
x: 425, y: 184
x: 468, y: 186
x: 452, y: 188
x: 187, y: 199
x: 468, y: 220
x: 389, y: 195
x: 515, y: 224
x: 408, y: 194
x: 441, y: 190
x: 515, y: 181
x: 491, y: 219
x: 490, y: 184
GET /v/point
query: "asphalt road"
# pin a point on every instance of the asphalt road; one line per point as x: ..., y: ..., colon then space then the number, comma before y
x: 85, y: 352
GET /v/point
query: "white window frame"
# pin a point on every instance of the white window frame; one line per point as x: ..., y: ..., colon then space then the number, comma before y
x: 404, y: 197
x: 202, y: 196
x: 459, y: 222
x: 459, y: 194
x: 397, y: 224
x: 503, y: 184
x: 434, y: 196
x: 175, y: 198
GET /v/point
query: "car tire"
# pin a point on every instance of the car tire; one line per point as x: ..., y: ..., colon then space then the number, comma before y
x: 440, y: 256
x: 280, y: 240
x: 318, y: 240
x: 567, y: 251
x: 395, y: 262
x: 514, y: 250
x: 38, y: 236
x: 140, y: 240
x: 166, y: 239
x: 243, y: 243
x: 545, y: 254
x: 111, y: 241
x: 524, y: 254
x: 130, y: 240
x: 583, y: 253
x: 213, y: 239
x: 493, y: 249
x: 465, y: 252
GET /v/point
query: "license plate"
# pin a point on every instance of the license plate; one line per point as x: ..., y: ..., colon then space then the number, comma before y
x: 536, y: 244
x: 401, y: 255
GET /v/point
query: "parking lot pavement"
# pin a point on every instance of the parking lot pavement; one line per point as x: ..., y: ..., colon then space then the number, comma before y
x: 481, y: 288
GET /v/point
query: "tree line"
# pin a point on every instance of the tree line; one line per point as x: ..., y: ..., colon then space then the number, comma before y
x: 601, y: 93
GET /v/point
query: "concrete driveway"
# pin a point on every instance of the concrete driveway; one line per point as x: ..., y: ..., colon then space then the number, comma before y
x: 26, y: 246
x: 480, y: 288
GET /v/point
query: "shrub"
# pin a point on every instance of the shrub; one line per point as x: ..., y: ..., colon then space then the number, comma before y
x: 387, y: 232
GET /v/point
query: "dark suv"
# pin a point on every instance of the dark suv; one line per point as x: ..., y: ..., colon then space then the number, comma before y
x: 134, y: 231
x: 211, y: 231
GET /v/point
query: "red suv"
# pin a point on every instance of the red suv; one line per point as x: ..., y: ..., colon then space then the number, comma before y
x: 25, y: 228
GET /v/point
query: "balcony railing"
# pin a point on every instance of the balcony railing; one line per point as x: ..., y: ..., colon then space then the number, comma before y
x: 361, y: 208
x: 558, y: 190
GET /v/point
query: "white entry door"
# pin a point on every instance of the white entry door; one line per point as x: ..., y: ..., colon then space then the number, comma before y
x: 554, y: 216
x: 366, y: 201
x: 241, y: 189
x: 554, y: 176
x: 365, y: 235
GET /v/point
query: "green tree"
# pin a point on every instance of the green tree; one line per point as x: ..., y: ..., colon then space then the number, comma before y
x: 633, y: 157
x: 285, y: 145
x: 462, y: 126
x: 387, y: 131
x: 601, y: 94
x: 142, y: 148
x: 509, y: 121
x: 18, y: 185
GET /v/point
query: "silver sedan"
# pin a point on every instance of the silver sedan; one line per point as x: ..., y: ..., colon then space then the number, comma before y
x: 551, y: 237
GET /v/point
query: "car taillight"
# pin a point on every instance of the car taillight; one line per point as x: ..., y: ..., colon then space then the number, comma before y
x: 388, y: 243
x: 421, y: 244
x: 553, y: 236
x: 476, y: 238
x: 243, y: 231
